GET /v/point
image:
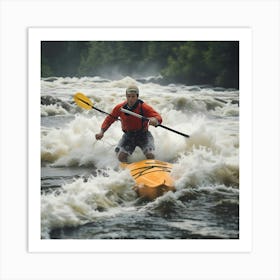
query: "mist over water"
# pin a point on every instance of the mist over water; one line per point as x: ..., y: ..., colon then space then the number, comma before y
x: 86, y: 195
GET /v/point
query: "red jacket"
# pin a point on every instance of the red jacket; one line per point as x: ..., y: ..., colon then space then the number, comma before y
x: 131, y: 123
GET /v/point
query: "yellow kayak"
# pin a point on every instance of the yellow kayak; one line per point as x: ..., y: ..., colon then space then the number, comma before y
x: 152, y: 177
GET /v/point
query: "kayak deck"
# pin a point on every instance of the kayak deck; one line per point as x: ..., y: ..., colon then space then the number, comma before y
x: 152, y: 177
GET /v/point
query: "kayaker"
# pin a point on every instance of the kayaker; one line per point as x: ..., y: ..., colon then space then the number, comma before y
x: 135, y: 130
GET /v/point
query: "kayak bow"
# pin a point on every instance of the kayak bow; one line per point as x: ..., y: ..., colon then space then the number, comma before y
x: 152, y: 177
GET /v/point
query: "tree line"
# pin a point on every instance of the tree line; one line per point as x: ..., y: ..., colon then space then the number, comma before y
x: 188, y: 62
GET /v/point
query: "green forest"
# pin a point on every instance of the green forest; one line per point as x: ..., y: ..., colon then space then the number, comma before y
x: 213, y: 63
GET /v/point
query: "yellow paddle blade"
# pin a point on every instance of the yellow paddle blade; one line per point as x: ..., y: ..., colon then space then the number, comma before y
x: 83, y: 101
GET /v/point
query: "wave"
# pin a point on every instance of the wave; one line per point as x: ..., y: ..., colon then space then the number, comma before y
x: 202, y: 168
x: 205, y: 166
x: 81, y: 202
x: 110, y: 193
x: 105, y: 92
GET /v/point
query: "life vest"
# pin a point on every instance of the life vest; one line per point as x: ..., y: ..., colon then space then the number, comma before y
x: 131, y: 123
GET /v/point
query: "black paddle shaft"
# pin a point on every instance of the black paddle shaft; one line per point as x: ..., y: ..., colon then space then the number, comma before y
x: 178, y: 132
x: 168, y: 128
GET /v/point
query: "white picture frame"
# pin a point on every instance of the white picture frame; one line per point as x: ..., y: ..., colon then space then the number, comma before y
x: 243, y: 35
x: 17, y: 262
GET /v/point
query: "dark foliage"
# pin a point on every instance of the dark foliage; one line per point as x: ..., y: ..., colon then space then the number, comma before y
x: 188, y: 62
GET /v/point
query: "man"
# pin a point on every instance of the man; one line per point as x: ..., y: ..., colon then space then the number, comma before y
x: 135, y: 129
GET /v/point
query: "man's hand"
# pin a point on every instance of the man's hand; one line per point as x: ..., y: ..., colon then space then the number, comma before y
x: 153, y: 121
x: 99, y: 135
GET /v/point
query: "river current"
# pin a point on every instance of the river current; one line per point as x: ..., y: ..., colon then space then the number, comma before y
x: 86, y: 195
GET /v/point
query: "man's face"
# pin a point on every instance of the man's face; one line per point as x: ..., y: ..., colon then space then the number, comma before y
x: 131, y: 98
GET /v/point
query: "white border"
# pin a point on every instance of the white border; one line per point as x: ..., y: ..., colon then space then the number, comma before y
x: 243, y: 35
x: 262, y: 16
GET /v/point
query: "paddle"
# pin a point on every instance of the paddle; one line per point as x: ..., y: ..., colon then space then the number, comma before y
x: 84, y: 102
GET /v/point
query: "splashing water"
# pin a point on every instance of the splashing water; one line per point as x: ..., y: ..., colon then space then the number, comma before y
x: 86, y: 195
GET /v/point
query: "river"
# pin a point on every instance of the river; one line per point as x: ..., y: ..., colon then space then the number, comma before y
x: 86, y: 195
